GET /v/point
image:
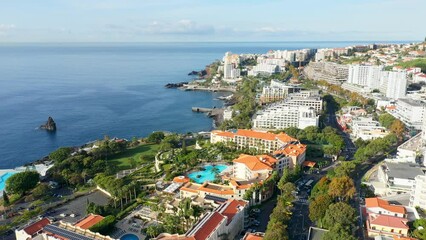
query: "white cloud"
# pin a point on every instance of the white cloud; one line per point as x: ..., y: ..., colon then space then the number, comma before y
x: 4, y: 28
x: 184, y: 26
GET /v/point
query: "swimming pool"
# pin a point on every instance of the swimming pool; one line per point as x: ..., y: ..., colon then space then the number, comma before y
x: 3, y: 179
x: 207, y: 174
x: 129, y: 236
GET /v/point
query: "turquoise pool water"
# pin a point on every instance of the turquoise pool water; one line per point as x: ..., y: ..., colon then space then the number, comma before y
x: 129, y: 236
x: 3, y: 179
x: 207, y: 174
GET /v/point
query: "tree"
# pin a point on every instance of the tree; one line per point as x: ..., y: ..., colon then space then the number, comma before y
x: 420, y: 228
x: 318, y: 207
x: 342, y: 188
x: 397, y: 127
x: 60, y: 154
x: 386, y: 120
x: 41, y: 190
x: 344, y: 169
x: 6, y: 201
x: 276, y: 231
x: 339, y: 213
x: 320, y: 188
x: 22, y: 182
x: 154, y: 230
x: 337, y: 232
x: 155, y: 137
x: 287, y: 191
x: 105, y: 226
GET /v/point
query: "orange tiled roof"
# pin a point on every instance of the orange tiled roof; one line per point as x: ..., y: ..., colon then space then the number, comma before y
x: 256, y: 163
x: 89, y: 221
x: 37, y: 226
x: 389, y: 221
x: 223, y: 133
x: 309, y: 164
x: 292, y: 150
x: 232, y: 208
x: 181, y: 179
x: 256, y: 134
x: 252, y: 236
x: 240, y: 186
x: 224, y: 190
x: 283, y: 137
x: 377, y: 202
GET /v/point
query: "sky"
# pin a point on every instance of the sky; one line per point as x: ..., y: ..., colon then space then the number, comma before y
x: 211, y: 20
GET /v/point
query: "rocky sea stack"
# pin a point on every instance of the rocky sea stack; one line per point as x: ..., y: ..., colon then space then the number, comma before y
x: 50, y: 125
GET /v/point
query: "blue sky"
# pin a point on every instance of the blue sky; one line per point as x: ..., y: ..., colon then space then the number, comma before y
x: 210, y: 20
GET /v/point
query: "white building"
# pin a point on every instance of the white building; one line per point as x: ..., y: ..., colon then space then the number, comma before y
x: 419, y: 77
x: 264, y: 69
x: 305, y: 98
x: 393, y: 84
x: 367, y: 129
x: 418, y: 192
x: 283, y: 115
x: 331, y: 72
x: 277, y: 91
x: 230, y: 70
x: 226, y: 220
x: 366, y: 76
x: 399, y: 177
x: 411, y: 112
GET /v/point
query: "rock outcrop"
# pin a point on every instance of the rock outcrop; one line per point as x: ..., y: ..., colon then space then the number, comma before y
x: 201, y: 73
x: 50, y: 125
x: 175, y: 85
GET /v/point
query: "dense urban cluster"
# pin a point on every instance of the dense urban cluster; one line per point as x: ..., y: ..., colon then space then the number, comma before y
x: 312, y: 144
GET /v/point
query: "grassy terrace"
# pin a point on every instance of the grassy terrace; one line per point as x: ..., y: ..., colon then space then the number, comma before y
x: 140, y: 154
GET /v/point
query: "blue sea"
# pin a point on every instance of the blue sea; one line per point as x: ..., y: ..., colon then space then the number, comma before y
x: 93, y: 90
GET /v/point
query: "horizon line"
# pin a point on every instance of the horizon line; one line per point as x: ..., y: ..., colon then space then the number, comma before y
x: 292, y: 41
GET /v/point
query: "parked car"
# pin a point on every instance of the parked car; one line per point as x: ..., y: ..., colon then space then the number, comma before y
x: 256, y: 210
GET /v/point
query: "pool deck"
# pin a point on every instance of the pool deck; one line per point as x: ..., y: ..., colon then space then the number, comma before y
x: 4, y: 171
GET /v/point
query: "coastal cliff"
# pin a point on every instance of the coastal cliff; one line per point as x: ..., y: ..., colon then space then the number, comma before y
x: 50, y: 125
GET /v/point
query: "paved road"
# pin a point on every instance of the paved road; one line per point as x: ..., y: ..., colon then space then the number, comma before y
x: 78, y: 206
x: 265, y: 211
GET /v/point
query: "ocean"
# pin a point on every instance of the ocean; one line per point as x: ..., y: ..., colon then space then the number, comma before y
x: 115, y: 89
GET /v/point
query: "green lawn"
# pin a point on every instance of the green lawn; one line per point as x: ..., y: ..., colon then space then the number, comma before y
x: 420, y: 62
x: 139, y: 154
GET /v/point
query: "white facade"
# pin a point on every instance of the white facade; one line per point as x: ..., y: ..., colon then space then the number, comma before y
x: 283, y: 115
x: 266, y: 69
x: 367, y: 129
x: 418, y: 193
x: 305, y: 98
x: 277, y: 91
x: 230, y: 70
x: 393, y: 84
x: 366, y: 76
x: 411, y: 112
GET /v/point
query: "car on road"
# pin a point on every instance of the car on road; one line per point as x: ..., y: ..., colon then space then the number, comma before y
x: 256, y: 210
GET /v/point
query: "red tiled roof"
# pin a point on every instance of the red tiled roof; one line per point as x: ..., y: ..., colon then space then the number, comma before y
x: 389, y: 221
x: 232, y: 208
x: 377, y: 202
x: 37, y: 226
x: 89, y: 221
x: 209, y: 226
